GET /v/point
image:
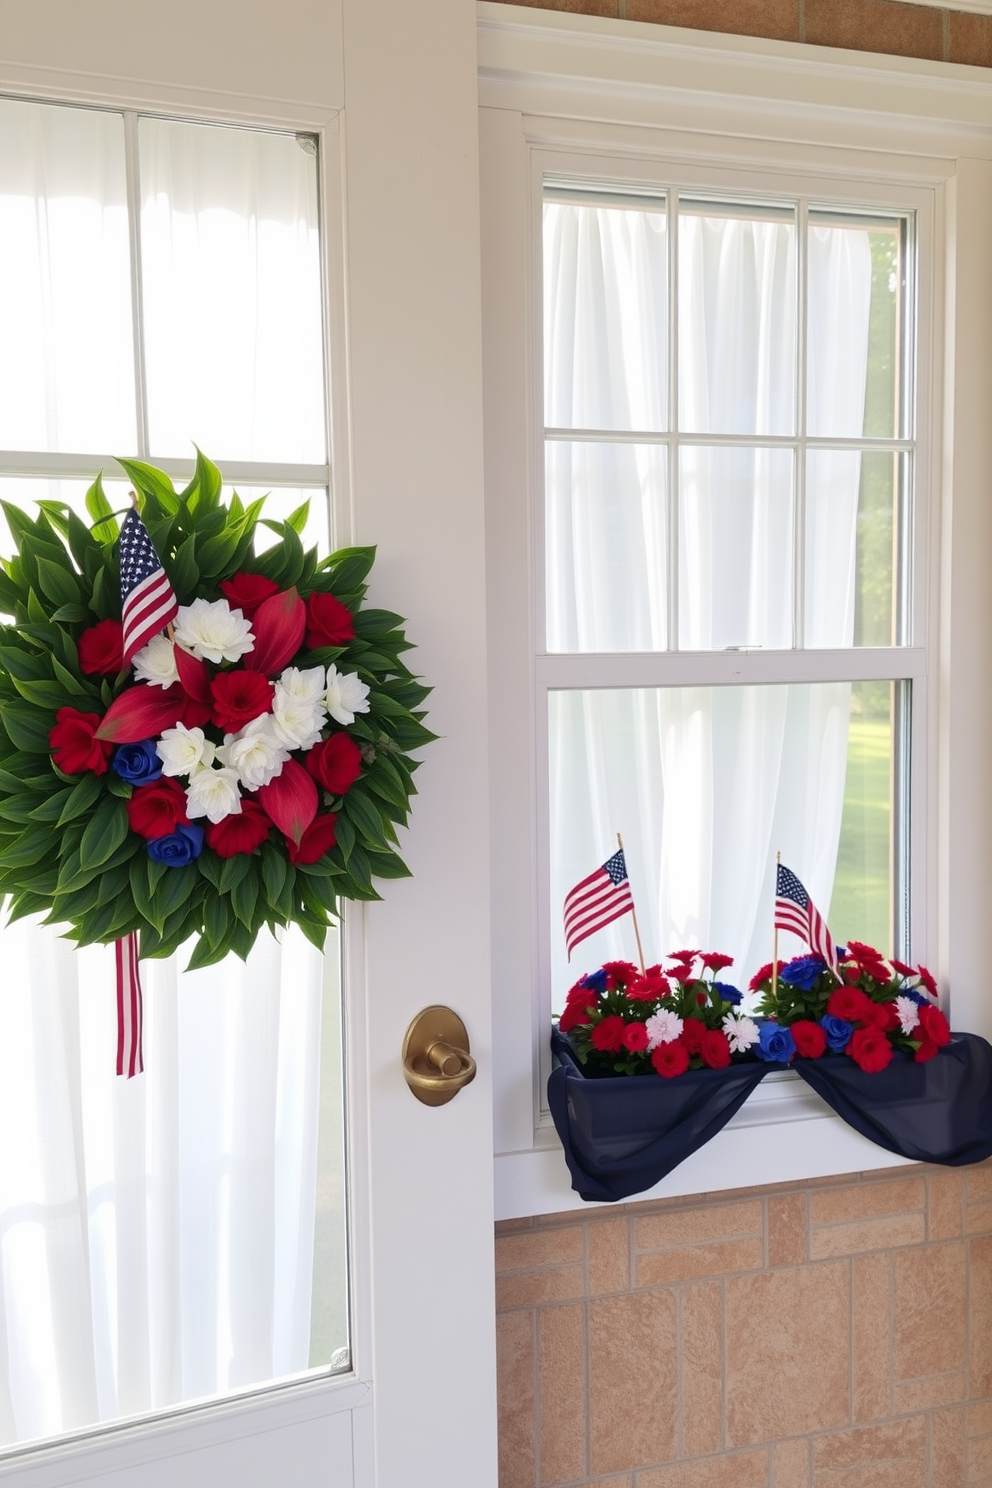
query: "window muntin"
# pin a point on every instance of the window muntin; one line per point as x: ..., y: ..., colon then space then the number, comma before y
x: 182, y: 1237
x: 783, y: 530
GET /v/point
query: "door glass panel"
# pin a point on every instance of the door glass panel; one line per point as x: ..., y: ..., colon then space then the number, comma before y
x: 231, y: 293
x: 67, y: 363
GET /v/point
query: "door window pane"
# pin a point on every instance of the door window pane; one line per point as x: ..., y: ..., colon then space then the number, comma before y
x: 231, y: 293
x: 67, y: 363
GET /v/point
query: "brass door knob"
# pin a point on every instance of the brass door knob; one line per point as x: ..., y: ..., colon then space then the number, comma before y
x: 436, y: 1061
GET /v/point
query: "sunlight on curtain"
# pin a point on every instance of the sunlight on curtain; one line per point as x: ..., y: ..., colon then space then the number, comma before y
x: 704, y: 783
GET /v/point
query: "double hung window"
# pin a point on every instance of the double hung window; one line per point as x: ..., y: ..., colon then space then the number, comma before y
x: 730, y: 663
x: 181, y: 1235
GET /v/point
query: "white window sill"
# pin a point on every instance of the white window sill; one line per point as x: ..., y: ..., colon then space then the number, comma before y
x: 784, y: 1132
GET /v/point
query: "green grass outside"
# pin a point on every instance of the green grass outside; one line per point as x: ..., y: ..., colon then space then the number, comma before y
x: 861, y: 904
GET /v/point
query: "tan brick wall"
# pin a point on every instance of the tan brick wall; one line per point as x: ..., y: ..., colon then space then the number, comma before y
x: 931, y: 31
x: 831, y: 1334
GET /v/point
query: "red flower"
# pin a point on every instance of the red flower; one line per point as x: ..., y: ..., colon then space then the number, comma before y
x: 329, y: 622
x: 608, y: 1035
x: 849, y: 1003
x: 691, y: 1036
x: 290, y: 798
x: 810, y: 1038
x: 193, y: 713
x: 927, y: 1050
x: 903, y: 969
x: 335, y: 763
x: 935, y: 1026
x: 648, y: 988
x: 141, y: 712
x: 716, y: 960
x: 670, y: 1059
x: 687, y: 956
x: 576, y: 1013
x: 870, y: 1050
x: 240, y: 833
x: 238, y: 697
x: 74, y: 746
x: 101, y: 649
x: 277, y: 626
x: 681, y: 974
x: 317, y: 839
x: 763, y: 974
x: 635, y: 1038
x: 246, y: 591
x: 156, y: 810
x: 576, y: 993
x: 850, y: 971
x: 619, y: 973
x: 927, y: 981
x: 715, y: 1049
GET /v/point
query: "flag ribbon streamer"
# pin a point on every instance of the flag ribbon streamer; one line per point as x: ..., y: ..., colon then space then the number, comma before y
x: 129, y: 1008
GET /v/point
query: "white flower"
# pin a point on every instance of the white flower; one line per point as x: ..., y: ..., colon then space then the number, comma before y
x: 297, y: 723
x: 741, y: 1032
x: 184, y: 750
x: 214, y: 794
x: 254, y: 753
x: 663, y: 1027
x: 156, y: 662
x: 346, y: 695
x: 909, y: 1013
x: 213, y: 631
x: 304, y: 687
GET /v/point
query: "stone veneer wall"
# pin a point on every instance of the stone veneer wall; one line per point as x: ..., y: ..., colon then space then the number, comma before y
x: 937, y: 32
x: 829, y: 1334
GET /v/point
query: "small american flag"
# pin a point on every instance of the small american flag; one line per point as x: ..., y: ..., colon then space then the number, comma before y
x: 147, y: 599
x: 129, y: 1060
x: 795, y: 911
x: 599, y: 899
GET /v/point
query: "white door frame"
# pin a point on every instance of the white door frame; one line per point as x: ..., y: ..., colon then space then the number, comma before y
x: 391, y: 90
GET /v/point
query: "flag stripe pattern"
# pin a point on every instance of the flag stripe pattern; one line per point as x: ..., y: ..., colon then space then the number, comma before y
x: 129, y: 1009
x: 148, y: 602
x: 598, y: 900
x: 795, y: 911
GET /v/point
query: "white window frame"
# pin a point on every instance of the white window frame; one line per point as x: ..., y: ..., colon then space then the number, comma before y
x: 586, y: 97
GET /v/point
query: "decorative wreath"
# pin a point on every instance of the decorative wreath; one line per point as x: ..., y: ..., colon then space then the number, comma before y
x: 196, y: 740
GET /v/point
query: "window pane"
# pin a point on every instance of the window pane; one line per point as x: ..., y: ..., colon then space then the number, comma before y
x: 706, y: 784
x: 852, y: 505
x: 735, y: 547
x: 231, y: 293
x: 737, y: 319
x: 67, y: 369
x: 606, y: 546
x: 605, y: 316
x: 854, y: 307
x: 159, y: 1242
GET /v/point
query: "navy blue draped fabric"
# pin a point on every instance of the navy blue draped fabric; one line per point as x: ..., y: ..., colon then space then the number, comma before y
x: 621, y: 1134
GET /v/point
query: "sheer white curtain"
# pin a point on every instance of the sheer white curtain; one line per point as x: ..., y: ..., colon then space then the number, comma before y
x: 157, y: 1235
x: 705, y: 783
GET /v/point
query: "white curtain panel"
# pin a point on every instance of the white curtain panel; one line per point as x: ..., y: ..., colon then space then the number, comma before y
x: 704, y: 783
x: 157, y: 1234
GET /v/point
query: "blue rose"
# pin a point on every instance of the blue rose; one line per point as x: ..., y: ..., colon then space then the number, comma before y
x: 803, y: 972
x: 728, y: 993
x: 179, y: 848
x: 838, y: 1032
x: 775, y: 1044
x: 137, y: 763
x: 595, y: 981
